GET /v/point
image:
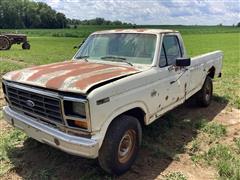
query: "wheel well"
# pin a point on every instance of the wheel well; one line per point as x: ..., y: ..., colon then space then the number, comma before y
x: 211, y: 72
x: 137, y: 113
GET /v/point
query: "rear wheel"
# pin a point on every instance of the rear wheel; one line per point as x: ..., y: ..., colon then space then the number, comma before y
x: 204, y: 96
x: 121, y: 144
x: 5, y: 43
x: 26, y: 45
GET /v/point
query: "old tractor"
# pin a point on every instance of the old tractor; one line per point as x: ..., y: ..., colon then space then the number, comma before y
x: 7, y: 40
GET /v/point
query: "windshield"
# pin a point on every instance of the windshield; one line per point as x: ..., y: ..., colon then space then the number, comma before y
x: 122, y: 47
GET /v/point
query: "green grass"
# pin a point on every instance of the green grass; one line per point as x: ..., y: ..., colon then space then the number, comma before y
x: 175, y: 176
x: 214, y: 129
x: 225, y: 159
x: 237, y: 142
x: 8, y: 141
x: 211, y: 150
x: 84, y: 30
x: 9, y: 66
x: 44, y: 50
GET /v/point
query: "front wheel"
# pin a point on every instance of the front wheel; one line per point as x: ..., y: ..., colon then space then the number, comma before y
x: 204, y: 96
x: 26, y: 45
x: 121, y: 144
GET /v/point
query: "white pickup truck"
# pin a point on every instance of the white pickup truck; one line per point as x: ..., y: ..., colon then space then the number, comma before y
x: 119, y: 80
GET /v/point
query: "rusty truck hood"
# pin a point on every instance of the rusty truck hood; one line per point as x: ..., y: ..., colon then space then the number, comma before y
x: 69, y: 76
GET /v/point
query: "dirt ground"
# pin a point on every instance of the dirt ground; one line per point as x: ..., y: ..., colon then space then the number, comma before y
x: 33, y: 157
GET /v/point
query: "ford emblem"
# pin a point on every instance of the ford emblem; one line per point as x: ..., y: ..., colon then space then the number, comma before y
x: 30, y: 103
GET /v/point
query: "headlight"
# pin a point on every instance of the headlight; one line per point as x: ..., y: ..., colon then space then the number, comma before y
x: 79, y: 109
x: 76, y: 113
x: 75, y: 109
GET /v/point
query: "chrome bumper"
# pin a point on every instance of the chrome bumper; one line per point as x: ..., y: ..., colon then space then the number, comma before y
x: 71, y: 144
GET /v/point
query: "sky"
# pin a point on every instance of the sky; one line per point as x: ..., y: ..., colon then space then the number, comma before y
x: 184, y: 12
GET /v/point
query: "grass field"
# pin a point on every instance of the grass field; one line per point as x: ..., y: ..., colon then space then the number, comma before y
x: 57, y: 45
x: 84, y: 31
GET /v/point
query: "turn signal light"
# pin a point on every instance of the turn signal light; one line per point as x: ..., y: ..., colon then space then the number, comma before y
x: 81, y: 124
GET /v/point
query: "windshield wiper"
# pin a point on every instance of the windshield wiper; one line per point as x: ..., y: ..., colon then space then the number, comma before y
x: 117, y: 59
x: 83, y: 57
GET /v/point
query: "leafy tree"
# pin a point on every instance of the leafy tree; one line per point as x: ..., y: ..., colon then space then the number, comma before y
x: 29, y: 14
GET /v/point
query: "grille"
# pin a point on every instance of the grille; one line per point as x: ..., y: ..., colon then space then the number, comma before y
x: 44, y: 107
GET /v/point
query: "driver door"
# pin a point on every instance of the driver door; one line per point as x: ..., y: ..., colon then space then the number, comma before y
x: 175, y: 78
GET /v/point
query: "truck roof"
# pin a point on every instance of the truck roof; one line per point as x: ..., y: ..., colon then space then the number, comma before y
x: 145, y: 31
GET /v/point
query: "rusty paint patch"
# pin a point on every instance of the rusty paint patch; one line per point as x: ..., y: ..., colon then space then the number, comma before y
x: 140, y: 30
x: 77, y: 76
x: 119, y: 30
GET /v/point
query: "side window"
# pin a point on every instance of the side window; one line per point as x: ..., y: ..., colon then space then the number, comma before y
x: 172, y: 49
x: 163, y: 60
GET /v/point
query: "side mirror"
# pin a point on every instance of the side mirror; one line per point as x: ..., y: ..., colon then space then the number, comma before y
x: 183, y: 62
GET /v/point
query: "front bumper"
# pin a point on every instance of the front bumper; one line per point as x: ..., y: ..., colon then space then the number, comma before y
x: 71, y: 144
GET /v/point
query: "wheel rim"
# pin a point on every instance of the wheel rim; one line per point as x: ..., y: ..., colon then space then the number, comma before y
x: 126, y: 146
x: 3, y: 43
x: 208, y: 92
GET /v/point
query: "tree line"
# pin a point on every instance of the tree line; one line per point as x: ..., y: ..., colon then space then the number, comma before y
x: 30, y: 14
x: 97, y: 21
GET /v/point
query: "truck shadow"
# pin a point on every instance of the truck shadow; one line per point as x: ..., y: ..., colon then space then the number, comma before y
x: 163, y: 141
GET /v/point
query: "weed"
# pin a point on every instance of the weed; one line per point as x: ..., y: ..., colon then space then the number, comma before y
x: 8, y: 141
x: 196, y: 158
x: 8, y: 66
x: 225, y: 159
x: 237, y: 142
x: 195, y: 145
x: 214, y: 129
x: 220, y: 99
x: 200, y: 123
x: 175, y: 176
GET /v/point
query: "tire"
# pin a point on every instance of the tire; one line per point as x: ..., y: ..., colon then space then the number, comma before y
x: 26, y: 45
x: 5, y: 43
x: 121, y: 145
x: 204, y: 96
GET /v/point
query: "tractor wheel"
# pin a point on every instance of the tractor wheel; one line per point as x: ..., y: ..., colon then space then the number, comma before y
x: 5, y: 43
x: 26, y: 45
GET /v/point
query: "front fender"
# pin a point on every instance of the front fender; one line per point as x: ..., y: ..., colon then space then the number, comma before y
x: 104, y: 127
